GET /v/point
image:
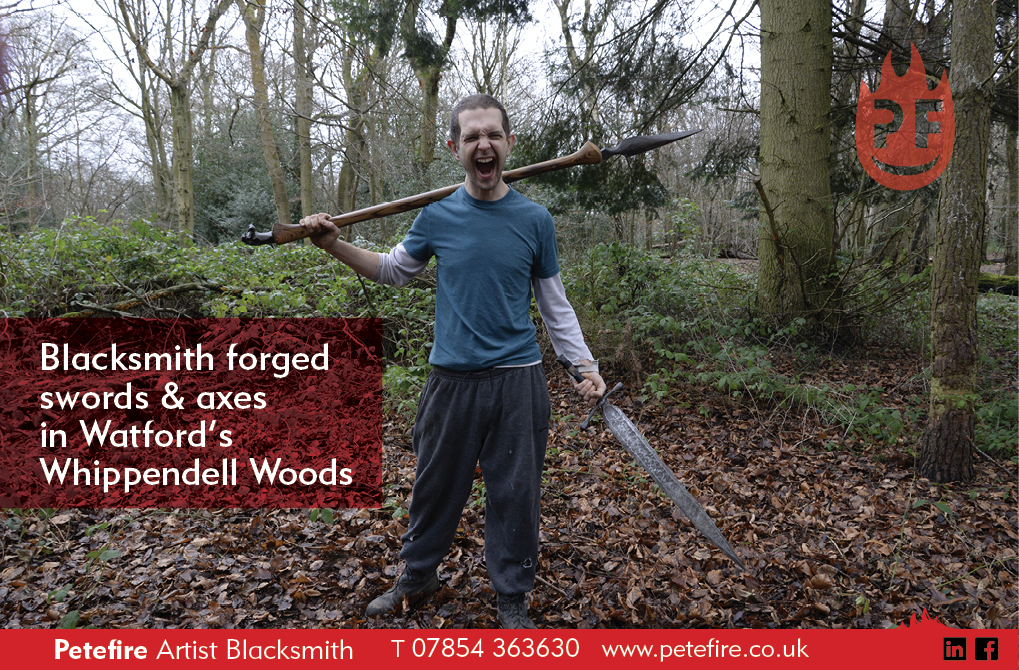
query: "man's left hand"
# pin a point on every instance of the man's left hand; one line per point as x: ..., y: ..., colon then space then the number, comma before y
x: 591, y: 389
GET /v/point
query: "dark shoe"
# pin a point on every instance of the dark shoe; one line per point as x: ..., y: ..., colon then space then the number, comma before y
x: 410, y: 583
x: 512, y: 611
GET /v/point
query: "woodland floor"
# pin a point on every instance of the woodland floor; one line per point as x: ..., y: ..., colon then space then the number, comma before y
x: 835, y: 533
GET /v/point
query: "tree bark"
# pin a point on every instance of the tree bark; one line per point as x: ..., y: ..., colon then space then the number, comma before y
x: 947, y: 447
x: 207, y: 76
x: 32, y: 133
x: 183, y: 157
x: 162, y: 183
x: 355, y: 145
x: 1011, y: 224
x: 303, y: 50
x: 795, y: 246
x: 254, y: 19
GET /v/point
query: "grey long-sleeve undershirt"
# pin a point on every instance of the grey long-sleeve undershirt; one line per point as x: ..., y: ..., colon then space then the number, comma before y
x: 397, y: 267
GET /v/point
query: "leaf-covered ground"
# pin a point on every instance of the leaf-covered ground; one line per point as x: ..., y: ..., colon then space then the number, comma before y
x: 835, y: 529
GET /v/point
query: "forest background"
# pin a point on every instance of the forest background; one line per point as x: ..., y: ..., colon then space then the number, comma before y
x: 829, y: 364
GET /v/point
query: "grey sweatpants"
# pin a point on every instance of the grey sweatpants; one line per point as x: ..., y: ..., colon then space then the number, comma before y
x: 498, y: 417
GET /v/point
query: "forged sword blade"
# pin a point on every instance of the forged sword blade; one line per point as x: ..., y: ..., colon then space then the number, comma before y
x: 630, y: 437
x: 633, y: 146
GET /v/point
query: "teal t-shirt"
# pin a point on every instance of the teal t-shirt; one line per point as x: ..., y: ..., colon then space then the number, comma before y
x: 486, y: 254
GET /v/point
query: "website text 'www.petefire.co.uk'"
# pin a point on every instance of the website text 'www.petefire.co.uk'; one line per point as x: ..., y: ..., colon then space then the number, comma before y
x: 712, y: 649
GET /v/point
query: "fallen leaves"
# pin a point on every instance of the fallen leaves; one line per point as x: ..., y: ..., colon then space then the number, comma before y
x: 832, y: 538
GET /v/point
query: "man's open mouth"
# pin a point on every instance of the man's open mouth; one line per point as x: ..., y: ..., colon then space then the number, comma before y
x: 485, y: 167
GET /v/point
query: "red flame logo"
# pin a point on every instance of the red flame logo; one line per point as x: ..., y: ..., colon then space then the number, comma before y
x: 914, y: 154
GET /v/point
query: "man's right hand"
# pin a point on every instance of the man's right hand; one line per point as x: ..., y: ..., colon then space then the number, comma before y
x: 326, y: 236
x: 324, y: 232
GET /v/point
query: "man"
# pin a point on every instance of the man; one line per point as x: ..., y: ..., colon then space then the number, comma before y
x: 486, y: 398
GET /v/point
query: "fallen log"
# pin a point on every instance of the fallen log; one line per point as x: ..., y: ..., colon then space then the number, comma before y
x: 992, y: 283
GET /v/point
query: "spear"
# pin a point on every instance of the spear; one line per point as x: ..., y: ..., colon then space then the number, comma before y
x: 589, y: 154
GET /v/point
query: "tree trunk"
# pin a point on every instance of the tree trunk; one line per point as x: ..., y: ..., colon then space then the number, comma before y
x: 207, y: 75
x: 891, y: 233
x: 375, y: 189
x: 183, y: 158
x: 947, y: 446
x: 303, y: 50
x: 161, y: 182
x: 1011, y: 224
x: 795, y: 247
x: 254, y: 19
x: 898, y: 30
x: 149, y: 110
x: 32, y: 133
x: 429, y: 110
x: 429, y: 73
x: 362, y: 60
x: 355, y: 145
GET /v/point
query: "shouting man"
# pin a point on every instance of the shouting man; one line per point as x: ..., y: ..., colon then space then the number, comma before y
x: 486, y: 399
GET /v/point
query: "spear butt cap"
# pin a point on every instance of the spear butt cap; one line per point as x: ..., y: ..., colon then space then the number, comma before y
x: 253, y: 238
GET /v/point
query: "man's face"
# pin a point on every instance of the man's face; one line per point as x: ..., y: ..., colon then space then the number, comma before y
x: 482, y: 151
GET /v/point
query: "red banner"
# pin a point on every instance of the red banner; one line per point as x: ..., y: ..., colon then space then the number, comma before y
x: 921, y: 645
x: 190, y: 413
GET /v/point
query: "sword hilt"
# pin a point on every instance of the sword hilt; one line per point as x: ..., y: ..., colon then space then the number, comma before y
x: 571, y: 369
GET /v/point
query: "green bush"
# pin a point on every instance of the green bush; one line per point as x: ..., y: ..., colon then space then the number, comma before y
x: 658, y: 322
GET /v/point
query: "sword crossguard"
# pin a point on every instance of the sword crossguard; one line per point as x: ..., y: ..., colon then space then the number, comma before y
x: 587, y: 421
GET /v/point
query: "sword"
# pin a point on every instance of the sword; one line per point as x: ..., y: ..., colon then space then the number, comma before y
x: 630, y: 437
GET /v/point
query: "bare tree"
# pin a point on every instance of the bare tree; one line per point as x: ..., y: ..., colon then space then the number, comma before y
x: 428, y: 55
x: 253, y: 13
x: 428, y: 59
x: 43, y: 100
x: 176, y: 70
x: 583, y: 54
x: 365, y: 34
x: 145, y: 101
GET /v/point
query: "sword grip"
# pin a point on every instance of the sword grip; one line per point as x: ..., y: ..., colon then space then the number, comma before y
x: 570, y: 368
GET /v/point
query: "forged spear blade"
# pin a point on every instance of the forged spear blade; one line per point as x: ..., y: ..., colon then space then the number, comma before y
x: 630, y: 437
x: 633, y: 146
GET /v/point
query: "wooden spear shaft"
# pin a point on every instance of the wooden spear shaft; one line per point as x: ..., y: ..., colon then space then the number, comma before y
x: 589, y: 154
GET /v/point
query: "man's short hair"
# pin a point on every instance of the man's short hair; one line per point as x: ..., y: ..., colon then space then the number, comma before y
x: 476, y: 101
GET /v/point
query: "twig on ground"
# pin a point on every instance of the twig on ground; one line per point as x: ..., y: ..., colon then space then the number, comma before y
x: 88, y: 309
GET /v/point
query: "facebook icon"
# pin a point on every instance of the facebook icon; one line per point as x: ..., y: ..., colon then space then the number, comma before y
x: 955, y: 649
x: 985, y: 648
